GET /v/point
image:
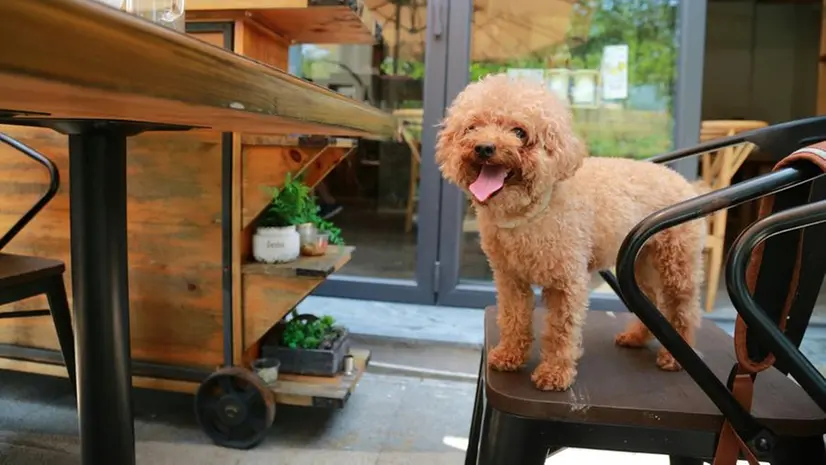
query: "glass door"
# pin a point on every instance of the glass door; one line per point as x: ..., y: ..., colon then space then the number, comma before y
x: 631, y: 71
x: 386, y: 196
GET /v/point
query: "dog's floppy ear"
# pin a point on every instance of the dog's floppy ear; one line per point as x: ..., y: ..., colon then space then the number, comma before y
x: 565, y: 147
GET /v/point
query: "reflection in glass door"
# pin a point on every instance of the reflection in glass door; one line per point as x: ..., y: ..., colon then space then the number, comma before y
x: 385, y: 197
x: 621, y: 66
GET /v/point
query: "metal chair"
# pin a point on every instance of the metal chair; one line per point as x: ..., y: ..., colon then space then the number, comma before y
x: 22, y: 277
x: 622, y: 402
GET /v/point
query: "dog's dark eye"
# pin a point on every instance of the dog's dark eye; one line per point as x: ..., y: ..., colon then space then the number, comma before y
x: 521, y: 134
x: 470, y: 128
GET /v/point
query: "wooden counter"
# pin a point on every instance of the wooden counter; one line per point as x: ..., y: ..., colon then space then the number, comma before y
x: 117, y: 55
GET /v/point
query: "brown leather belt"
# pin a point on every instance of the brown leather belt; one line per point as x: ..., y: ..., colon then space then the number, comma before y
x: 746, y: 369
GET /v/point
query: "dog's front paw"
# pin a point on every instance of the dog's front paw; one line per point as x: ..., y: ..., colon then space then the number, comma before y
x: 506, y: 358
x: 554, y: 376
x: 666, y: 361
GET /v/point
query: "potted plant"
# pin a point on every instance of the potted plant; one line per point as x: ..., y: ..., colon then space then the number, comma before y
x: 276, y: 239
x: 293, y: 207
x: 308, y: 345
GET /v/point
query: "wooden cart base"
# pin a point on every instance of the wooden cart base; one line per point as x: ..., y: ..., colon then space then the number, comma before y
x: 305, y: 391
x: 257, y: 410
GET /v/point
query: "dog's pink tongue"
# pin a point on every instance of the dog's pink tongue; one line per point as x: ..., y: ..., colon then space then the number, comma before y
x: 490, y: 180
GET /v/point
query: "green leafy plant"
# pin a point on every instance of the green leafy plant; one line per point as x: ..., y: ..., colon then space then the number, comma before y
x: 291, y: 204
x: 316, y: 333
x: 295, y: 204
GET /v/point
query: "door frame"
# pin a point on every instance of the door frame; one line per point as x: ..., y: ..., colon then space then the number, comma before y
x: 690, y: 36
x: 423, y: 289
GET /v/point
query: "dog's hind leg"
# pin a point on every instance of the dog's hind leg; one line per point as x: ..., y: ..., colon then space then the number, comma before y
x: 678, y: 259
x: 636, y: 335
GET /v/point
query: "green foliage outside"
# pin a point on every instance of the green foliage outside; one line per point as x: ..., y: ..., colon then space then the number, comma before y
x: 294, y: 204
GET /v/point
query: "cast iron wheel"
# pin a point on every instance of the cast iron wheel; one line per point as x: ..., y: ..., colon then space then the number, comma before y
x: 235, y: 408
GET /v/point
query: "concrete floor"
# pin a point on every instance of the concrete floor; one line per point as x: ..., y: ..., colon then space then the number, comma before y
x: 383, y: 424
x: 391, y: 420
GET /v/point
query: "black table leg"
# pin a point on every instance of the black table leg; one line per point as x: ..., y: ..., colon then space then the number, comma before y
x: 97, y: 173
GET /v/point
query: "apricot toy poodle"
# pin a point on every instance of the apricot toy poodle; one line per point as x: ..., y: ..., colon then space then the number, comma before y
x: 550, y: 216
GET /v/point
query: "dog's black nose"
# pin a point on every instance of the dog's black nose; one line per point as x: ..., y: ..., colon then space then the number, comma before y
x: 485, y: 151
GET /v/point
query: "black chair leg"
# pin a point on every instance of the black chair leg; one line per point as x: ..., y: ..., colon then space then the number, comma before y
x: 677, y: 460
x: 799, y: 451
x: 472, y: 453
x: 62, y: 317
x: 508, y: 440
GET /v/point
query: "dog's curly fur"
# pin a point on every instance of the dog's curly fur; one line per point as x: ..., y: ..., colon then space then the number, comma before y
x: 559, y: 219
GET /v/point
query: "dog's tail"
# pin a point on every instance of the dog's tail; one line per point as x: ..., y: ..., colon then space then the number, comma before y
x: 701, y: 187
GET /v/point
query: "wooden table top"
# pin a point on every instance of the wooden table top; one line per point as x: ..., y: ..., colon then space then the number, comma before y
x: 81, y: 59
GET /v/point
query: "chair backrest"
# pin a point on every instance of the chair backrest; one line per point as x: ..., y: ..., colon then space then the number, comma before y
x: 54, y: 185
x: 778, y: 295
x: 718, y: 167
x: 410, y: 123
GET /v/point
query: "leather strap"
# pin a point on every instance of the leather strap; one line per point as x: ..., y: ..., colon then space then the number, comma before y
x: 730, y: 444
x: 815, y: 154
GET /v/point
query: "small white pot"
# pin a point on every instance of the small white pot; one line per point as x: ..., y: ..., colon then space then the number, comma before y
x: 276, y: 245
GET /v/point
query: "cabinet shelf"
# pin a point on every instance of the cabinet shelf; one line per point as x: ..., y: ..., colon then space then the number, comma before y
x: 320, y: 391
x: 307, y: 267
x: 271, y: 291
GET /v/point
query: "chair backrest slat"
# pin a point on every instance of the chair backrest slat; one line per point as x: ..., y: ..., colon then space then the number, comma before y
x: 51, y: 191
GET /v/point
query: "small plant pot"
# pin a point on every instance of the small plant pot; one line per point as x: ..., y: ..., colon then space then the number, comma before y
x: 267, y: 369
x: 276, y: 245
x: 306, y: 230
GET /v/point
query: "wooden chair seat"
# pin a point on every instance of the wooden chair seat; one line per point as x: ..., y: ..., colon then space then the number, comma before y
x: 621, y: 386
x: 21, y: 269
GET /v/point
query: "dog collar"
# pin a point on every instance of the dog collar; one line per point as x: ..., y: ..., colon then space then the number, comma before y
x: 535, y: 210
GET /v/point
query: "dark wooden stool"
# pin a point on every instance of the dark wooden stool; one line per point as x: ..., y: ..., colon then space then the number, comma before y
x: 22, y: 277
x: 622, y: 401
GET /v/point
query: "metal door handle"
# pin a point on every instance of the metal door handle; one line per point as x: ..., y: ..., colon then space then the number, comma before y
x: 436, y: 20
